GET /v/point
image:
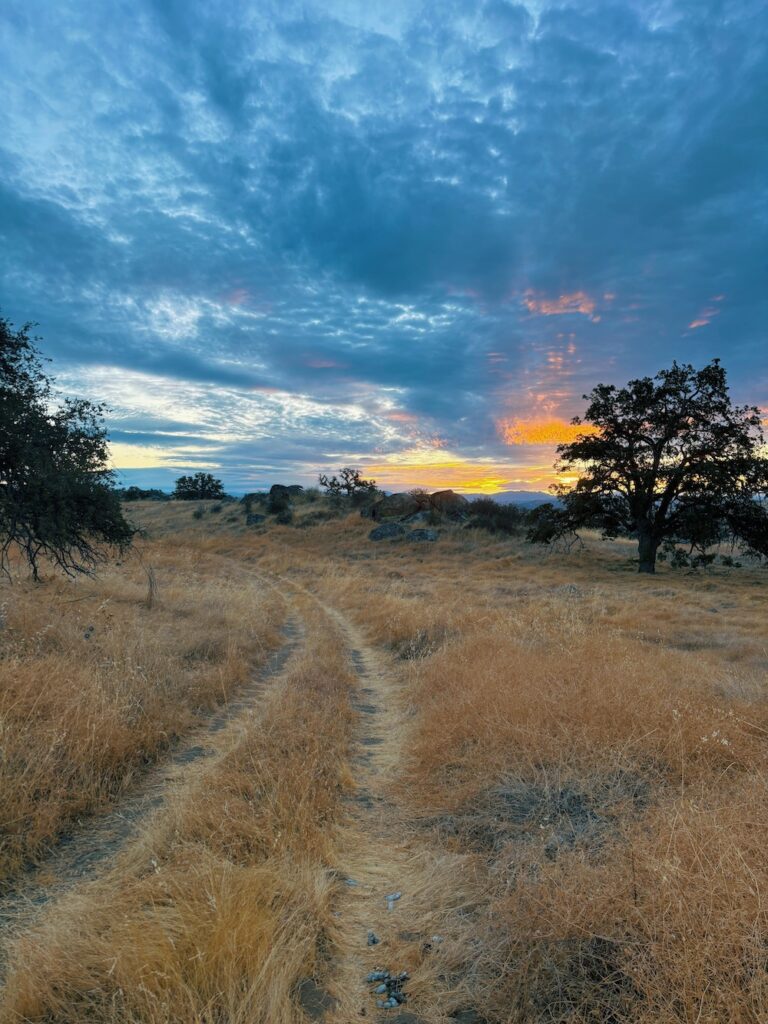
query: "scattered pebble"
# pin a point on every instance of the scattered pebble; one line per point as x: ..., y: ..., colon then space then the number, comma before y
x: 437, y: 939
x: 390, y: 985
x: 350, y: 881
x: 391, y: 899
x: 373, y: 939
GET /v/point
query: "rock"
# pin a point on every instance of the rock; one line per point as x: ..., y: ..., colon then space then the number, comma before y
x: 314, y: 1001
x: 423, y: 516
x: 395, y: 506
x: 449, y: 504
x: 254, y: 518
x: 295, y: 490
x: 280, y: 490
x: 373, y: 939
x: 420, y: 536
x: 387, y: 531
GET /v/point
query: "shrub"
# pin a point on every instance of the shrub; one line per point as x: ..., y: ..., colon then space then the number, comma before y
x: 487, y: 514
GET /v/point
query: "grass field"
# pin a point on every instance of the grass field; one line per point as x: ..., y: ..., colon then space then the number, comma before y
x: 560, y: 764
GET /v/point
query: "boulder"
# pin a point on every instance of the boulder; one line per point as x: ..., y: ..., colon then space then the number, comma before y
x: 420, y: 536
x: 387, y: 531
x: 419, y: 517
x: 295, y: 490
x: 280, y: 490
x: 395, y: 506
x: 449, y: 504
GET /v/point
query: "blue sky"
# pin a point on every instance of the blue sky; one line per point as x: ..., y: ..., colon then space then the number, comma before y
x: 282, y: 237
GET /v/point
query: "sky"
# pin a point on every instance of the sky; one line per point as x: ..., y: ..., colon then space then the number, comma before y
x: 408, y: 236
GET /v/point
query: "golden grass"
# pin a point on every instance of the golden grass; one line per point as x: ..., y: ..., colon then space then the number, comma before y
x: 94, y: 685
x: 225, y: 903
x: 584, y: 765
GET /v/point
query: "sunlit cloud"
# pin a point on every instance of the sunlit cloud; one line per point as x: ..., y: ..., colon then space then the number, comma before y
x: 137, y: 456
x: 707, y: 315
x: 542, y: 431
x: 574, y: 302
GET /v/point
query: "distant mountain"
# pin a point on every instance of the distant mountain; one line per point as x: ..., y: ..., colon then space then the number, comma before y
x: 529, y: 498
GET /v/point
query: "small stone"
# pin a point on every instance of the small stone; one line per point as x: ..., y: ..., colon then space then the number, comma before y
x: 350, y: 882
x: 380, y: 989
x: 437, y: 939
x: 373, y: 939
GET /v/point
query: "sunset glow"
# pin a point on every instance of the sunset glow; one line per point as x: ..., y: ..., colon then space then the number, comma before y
x: 542, y: 431
x: 575, y: 302
x: 277, y: 239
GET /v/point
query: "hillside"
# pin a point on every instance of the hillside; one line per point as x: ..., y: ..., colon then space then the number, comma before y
x: 552, y: 766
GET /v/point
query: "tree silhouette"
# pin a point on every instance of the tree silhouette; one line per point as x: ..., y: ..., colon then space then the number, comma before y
x: 199, y: 487
x: 57, y: 497
x: 663, y: 459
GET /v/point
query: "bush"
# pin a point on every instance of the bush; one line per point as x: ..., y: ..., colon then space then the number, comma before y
x: 198, y: 513
x: 487, y: 514
x: 284, y: 517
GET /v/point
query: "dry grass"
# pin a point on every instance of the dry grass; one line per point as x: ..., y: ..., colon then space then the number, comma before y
x: 225, y: 904
x: 584, y: 761
x: 94, y: 684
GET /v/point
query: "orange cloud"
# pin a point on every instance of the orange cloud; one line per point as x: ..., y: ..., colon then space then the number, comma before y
x: 575, y: 302
x: 542, y: 431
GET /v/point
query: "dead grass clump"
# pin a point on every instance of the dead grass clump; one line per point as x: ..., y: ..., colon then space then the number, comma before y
x: 670, y: 927
x: 548, y: 814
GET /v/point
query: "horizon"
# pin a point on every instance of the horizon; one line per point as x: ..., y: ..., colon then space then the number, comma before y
x: 282, y: 239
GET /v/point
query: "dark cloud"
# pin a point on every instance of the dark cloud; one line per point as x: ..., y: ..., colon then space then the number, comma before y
x: 364, y: 228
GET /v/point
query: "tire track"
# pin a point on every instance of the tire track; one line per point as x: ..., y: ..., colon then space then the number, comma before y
x: 377, y: 858
x: 85, y: 853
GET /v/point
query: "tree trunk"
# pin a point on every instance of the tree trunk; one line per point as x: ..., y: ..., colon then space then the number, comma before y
x: 647, y: 546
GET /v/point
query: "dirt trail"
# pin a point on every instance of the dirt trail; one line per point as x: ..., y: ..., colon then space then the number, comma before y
x: 92, y: 848
x: 378, y: 860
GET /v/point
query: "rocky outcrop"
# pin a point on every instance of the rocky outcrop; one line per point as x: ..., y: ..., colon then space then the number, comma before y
x: 449, y: 504
x: 395, y: 506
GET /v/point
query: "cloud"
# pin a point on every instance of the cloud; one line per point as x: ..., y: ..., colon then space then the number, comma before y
x: 547, y: 432
x: 317, y: 232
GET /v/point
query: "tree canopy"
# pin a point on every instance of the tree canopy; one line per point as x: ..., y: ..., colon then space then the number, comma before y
x: 349, y: 483
x: 665, y: 459
x: 200, y: 487
x: 57, y: 497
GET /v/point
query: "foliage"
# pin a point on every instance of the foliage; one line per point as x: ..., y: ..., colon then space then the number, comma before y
x: 666, y: 458
x: 349, y: 483
x: 487, y: 514
x: 134, y: 493
x: 57, y: 497
x: 200, y: 487
x: 279, y: 501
